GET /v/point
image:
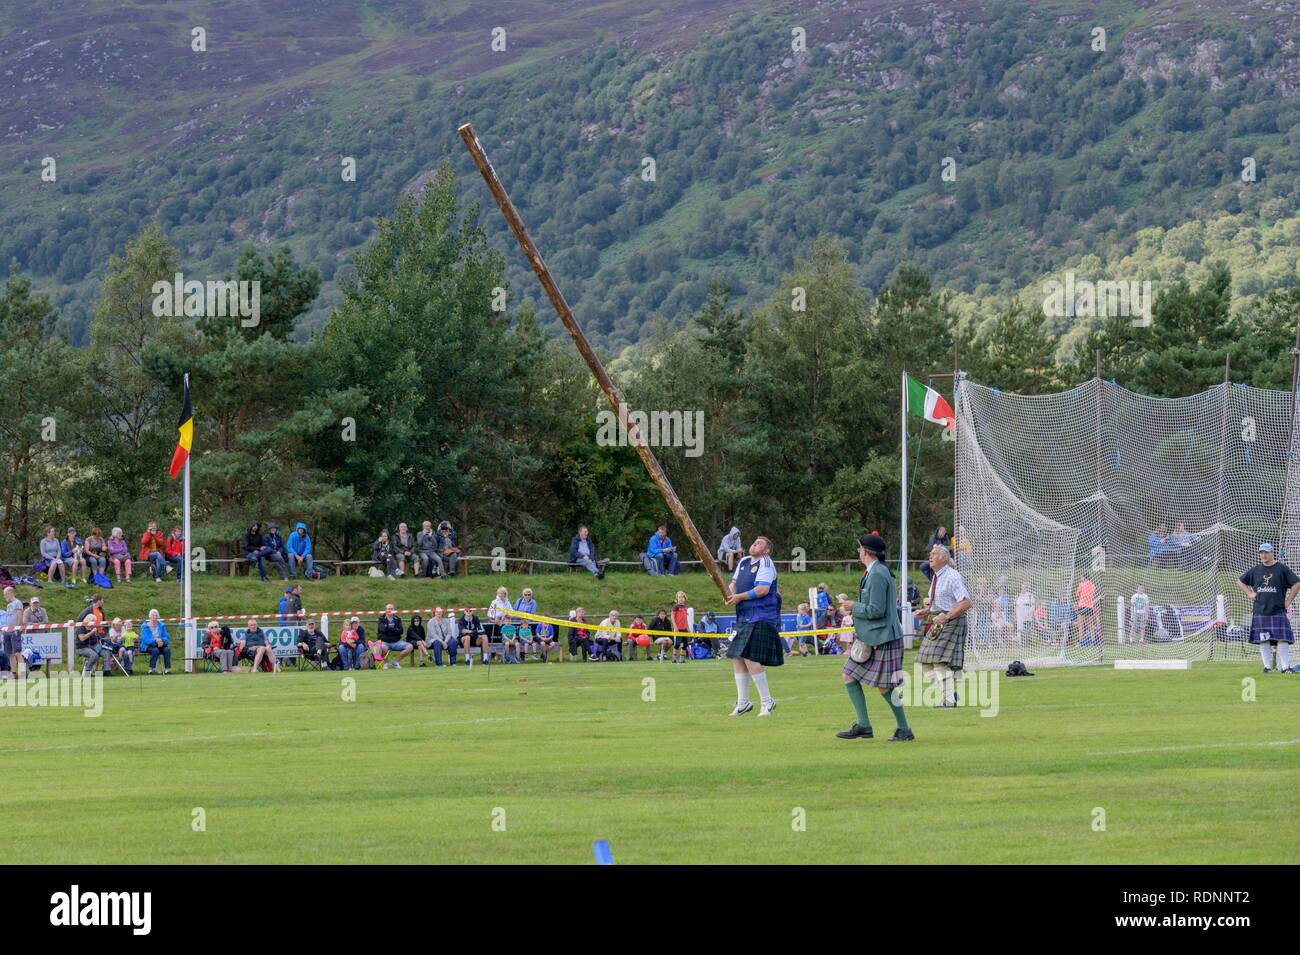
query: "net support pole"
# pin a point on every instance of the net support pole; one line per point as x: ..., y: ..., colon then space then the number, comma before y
x: 1290, y: 438
x: 606, y: 384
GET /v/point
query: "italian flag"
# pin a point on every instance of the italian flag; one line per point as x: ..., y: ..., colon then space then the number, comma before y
x: 928, y: 403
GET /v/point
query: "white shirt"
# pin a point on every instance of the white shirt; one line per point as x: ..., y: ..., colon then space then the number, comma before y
x: 497, y: 610
x: 947, y: 589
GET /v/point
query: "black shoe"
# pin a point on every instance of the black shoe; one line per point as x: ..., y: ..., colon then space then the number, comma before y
x: 857, y: 731
x: 901, y: 736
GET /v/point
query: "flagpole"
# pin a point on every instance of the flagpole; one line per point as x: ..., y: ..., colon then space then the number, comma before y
x: 187, y: 565
x: 902, y: 509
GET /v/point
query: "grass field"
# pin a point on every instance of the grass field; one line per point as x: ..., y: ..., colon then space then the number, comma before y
x: 286, y: 770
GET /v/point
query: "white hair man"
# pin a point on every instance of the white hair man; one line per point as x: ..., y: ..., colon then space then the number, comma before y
x: 943, y: 650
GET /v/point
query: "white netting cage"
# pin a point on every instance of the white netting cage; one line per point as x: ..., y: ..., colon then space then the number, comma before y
x: 1156, y: 505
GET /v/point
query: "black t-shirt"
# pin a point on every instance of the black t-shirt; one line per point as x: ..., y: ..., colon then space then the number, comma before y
x: 1270, y: 585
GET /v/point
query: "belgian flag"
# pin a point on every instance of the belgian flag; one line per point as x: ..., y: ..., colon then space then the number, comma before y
x: 186, y: 428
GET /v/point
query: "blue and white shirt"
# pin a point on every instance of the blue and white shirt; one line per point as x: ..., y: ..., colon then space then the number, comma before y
x: 752, y: 572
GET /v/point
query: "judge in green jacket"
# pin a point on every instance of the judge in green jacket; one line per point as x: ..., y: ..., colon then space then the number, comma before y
x: 876, y: 655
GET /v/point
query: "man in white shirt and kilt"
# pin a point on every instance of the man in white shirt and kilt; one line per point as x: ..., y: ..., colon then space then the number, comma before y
x: 876, y: 655
x: 756, y: 643
x: 1271, y: 587
x: 944, y: 648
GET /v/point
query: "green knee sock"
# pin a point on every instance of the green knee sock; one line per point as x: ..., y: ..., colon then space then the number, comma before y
x: 897, y: 709
x: 859, y: 700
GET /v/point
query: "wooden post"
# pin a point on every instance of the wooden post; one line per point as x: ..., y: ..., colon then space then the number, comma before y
x: 607, y: 385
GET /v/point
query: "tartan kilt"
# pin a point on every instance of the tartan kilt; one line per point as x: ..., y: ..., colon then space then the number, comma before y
x: 758, y: 641
x: 948, y: 646
x: 1271, y: 627
x: 883, y: 668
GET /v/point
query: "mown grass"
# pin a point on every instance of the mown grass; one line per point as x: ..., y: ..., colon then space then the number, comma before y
x: 422, y: 762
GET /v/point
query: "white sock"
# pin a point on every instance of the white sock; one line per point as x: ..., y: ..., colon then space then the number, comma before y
x: 760, y: 681
x: 742, y: 687
x: 1284, y: 655
x: 1266, y: 654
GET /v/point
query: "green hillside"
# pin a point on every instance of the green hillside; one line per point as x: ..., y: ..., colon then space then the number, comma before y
x: 1060, y: 151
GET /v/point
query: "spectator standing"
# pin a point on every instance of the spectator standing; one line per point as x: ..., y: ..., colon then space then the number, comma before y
x: 11, y: 629
x: 498, y: 614
x: 1181, y: 546
x: 426, y: 547
x: 1089, y: 620
x: 443, y: 635
x: 381, y: 552
x: 70, y: 549
x: 803, y: 620
x: 731, y: 549
x: 1139, y: 606
x: 156, y: 641
x: 661, y: 553
x: 940, y: 538
x: 582, y: 551
x: 682, y: 625
x: 825, y: 615
x: 1026, y: 605
x: 119, y: 552
x: 448, y: 548
x: 52, y: 555
x: 299, y: 549
x: 1158, y: 547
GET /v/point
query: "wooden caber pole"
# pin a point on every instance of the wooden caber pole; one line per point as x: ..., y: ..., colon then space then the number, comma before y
x: 607, y: 385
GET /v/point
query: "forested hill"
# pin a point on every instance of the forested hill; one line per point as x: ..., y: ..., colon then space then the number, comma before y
x: 1060, y: 150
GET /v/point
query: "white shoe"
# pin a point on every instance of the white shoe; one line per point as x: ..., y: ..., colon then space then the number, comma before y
x: 767, y: 708
x: 742, y: 708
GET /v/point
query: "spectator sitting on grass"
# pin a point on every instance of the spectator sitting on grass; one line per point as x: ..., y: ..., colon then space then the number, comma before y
x: 609, y: 640
x: 119, y: 552
x: 662, y: 554
x: 582, y: 551
x: 352, y: 643
x: 443, y: 635
x: 472, y: 634
x: 70, y: 548
x: 381, y: 553
x: 314, y: 645
x: 580, y: 636
x: 95, y: 551
x: 156, y: 641
x: 661, y: 634
x: 418, y: 638
x: 388, y: 632
x: 52, y: 554
x: 219, y: 646
x: 404, y: 548
x: 731, y: 548
x: 299, y: 550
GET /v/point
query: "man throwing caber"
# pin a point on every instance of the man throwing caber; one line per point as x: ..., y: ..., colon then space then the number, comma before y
x: 1271, y: 587
x: 944, y: 648
x: 758, y: 619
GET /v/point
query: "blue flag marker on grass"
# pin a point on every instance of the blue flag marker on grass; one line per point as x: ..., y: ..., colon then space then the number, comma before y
x: 603, y: 855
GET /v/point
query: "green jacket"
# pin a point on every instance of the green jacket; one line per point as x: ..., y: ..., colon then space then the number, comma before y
x: 875, y: 613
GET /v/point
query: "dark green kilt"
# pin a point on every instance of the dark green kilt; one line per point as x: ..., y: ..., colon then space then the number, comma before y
x: 757, y: 641
x: 948, y: 646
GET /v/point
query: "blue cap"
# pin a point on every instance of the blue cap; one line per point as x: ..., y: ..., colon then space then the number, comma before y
x: 1266, y: 548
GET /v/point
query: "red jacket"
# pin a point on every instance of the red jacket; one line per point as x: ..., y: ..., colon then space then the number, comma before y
x: 149, y: 543
x: 175, y: 547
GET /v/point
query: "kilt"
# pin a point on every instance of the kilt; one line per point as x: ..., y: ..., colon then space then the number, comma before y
x: 758, y: 641
x: 883, y: 668
x: 948, y: 646
x: 1275, y: 627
